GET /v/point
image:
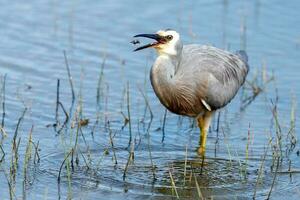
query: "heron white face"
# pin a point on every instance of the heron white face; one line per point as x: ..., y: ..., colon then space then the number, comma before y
x: 167, y: 42
x: 170, y: 46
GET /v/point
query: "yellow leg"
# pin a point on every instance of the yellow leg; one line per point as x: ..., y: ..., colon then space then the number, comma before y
x: 203, y: 123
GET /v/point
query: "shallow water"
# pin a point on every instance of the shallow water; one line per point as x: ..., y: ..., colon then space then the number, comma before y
x: 33, y: 38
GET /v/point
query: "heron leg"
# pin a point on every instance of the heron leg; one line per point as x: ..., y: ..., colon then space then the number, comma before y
x: 203, y: 123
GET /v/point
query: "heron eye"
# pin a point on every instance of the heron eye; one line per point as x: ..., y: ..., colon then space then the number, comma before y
x: 169, y: 37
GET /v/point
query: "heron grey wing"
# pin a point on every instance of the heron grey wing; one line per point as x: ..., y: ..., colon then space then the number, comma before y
x: 219, y: 72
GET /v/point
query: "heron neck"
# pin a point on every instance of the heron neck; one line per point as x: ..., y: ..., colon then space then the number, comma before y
x: 175, y: 61
x: 166, y: 66
x: 163, y: 77
x: 173, y: 58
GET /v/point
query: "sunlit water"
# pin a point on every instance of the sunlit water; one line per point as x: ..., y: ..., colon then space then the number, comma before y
x: 33, y: 38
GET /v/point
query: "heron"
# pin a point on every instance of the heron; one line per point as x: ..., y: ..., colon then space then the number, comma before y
x: 194, y: 80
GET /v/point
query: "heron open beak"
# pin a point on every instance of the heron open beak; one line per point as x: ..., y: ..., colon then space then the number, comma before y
x: 159, y: 40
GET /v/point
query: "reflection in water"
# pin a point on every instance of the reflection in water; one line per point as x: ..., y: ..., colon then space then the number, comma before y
x: 216, y: 178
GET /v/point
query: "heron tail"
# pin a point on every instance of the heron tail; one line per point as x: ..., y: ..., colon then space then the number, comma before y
x: 242, y: 55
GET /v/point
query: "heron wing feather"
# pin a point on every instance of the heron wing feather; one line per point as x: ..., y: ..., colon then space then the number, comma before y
x: 214, y: 75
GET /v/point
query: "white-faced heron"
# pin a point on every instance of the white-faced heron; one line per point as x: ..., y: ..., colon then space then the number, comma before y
x: 194, y: 80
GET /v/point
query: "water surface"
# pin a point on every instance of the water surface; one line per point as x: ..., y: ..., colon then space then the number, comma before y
x: 97, y: 33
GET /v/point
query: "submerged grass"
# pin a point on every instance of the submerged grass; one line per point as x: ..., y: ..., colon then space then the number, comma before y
x: 69, y: 76
x: 31, y: 158
x: 128, y: 114
x: 129, y: 160
x: 27, y: 157
x: 3, y: 153
x: 262, y: 165
x: 3, y: 101
x: 198, y: 188
x: 173, y: 184
x: 148, y: 132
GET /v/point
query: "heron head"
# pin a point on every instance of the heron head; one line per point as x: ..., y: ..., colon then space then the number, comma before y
x: 167, y: 42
